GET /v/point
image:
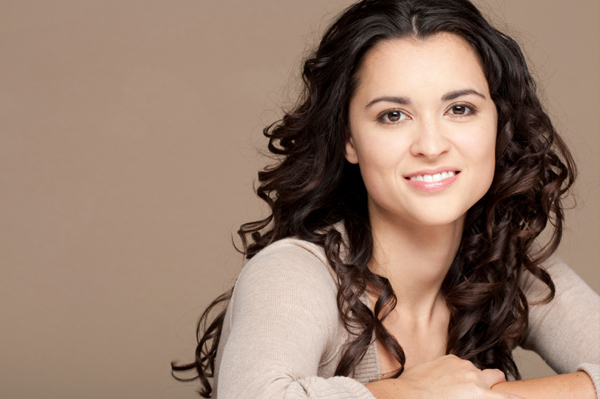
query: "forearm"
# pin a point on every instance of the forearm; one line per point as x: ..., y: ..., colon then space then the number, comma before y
x: 565, y: 386
x: 385, y: 389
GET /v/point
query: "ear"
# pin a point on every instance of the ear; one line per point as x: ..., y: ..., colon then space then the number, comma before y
x: 350, y: 153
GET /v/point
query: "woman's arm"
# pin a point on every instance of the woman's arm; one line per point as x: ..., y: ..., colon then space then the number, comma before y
x: 565, y: 386
x: 447, y: 377
x: 564, y: 332
x: 281, y: 328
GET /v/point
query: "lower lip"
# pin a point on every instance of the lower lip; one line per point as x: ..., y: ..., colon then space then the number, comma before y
x: 433, y: 186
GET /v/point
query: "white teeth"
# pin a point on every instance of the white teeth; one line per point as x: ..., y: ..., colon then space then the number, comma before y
x: 433, y: 178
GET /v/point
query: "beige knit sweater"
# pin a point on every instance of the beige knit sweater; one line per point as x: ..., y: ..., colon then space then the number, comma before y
x: 283, y: 337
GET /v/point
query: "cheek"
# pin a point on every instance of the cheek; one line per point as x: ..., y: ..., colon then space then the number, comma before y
x: 379, y: 158
x: 380, y: 155
x: 481, y: 153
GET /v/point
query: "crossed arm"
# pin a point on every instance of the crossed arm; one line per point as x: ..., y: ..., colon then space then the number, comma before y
x: 451, y: 377
x: 564, y: 386
x: 565, y: 334
x: 282, y: 327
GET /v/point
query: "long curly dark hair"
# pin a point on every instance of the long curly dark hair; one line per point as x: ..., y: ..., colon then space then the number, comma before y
x: 313, y: 186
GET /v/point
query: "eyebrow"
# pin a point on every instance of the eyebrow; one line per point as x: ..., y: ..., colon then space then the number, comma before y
x: 455, y: 94
x: 446, y: 97
x: 390, y: 99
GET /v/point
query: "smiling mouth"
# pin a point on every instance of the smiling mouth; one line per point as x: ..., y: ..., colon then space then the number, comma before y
x: 433, y: 178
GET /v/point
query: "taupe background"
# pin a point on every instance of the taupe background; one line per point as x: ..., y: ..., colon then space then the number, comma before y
x: 129, y: 133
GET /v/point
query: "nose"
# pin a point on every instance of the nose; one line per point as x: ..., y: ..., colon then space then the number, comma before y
x: 430, y: 140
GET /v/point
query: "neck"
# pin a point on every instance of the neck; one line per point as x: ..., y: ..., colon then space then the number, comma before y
x: 415, y: 259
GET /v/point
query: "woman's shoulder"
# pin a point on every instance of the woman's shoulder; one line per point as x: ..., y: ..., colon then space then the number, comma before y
x: 283, y: 310
x: 288, y: 283
x: 291, y: 267
x: 290, y: 256
x: 291, y: 249
x: 563, y: 277
x: 565, y: 332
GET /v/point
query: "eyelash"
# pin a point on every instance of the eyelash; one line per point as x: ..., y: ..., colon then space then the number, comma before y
x: 471, y: 110
x: 387, y: 112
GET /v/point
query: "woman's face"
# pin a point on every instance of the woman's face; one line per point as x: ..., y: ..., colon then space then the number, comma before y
x: 423, y: 130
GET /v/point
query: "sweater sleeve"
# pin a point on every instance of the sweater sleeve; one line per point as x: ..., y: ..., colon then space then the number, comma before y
x: 283, y: 319
x: 566, y: 331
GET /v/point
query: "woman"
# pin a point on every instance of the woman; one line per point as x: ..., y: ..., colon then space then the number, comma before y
x: 399, y: 258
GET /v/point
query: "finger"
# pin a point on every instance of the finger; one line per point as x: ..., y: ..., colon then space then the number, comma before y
x: 492, y: 377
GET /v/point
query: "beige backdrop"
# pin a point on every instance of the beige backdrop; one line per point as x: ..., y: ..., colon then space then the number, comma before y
x: 128, y: 138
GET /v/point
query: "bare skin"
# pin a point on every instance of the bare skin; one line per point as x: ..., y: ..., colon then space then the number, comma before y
x: 447, y: 377
x: 566, y: 386
x: 422, y: 107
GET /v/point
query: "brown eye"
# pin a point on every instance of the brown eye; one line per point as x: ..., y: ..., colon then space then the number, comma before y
x: 391, y: 116
x: 459, y: 109
x: 394, y: 116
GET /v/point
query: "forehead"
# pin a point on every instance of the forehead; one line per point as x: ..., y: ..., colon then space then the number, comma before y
x: 438, y: 63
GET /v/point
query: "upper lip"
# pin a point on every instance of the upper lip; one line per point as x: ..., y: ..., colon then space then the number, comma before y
x: 432, y: 171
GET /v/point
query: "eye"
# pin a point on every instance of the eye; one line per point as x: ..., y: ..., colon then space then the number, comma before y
x: 391, y: 116
x: 462, y: 110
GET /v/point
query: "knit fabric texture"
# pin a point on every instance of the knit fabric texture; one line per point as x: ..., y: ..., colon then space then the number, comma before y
x: 283, y: 336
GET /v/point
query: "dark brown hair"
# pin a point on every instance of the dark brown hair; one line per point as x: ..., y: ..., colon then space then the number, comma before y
x: 313, y: 186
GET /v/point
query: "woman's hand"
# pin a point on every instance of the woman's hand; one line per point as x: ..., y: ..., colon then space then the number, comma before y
x: 447, y: 377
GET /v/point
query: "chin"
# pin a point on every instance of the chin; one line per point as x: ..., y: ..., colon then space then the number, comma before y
x: 440, y: 219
